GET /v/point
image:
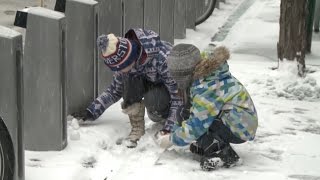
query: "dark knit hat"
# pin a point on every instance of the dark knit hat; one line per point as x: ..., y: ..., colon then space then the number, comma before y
x: 182, y: 61
x: 118, y: 52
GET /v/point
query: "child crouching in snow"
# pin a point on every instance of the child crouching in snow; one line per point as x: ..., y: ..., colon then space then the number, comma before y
x: 221, y: 113
x: 141, y: 79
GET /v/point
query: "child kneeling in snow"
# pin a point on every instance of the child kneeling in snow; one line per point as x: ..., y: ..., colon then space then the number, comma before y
x: 221, y: 113
x: 141, y: 79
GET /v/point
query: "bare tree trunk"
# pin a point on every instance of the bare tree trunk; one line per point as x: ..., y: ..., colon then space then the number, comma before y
x: 293, y: 31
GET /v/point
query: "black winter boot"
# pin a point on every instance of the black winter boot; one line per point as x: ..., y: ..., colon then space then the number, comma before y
x: 194, y: 148
x: 226, y: 157
x: 207, y: 145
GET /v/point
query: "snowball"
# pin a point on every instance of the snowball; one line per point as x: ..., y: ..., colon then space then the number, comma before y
x: 74, y: 135
x: 75, y: 124
x: 69, y: 118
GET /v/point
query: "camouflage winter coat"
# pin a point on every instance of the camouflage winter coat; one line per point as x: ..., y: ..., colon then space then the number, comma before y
x: 213, y: 91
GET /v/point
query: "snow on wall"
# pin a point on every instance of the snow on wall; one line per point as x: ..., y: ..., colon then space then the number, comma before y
x: 91, y: 2
x: 46, y: 12
x: 8, y: 33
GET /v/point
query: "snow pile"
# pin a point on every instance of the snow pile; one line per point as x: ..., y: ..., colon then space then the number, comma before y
x: 285, y: 82
x: 8, y: 33
x: 75, y: 124
x: 74, y: 133
x: 43, y: 12
x: 302, y: 89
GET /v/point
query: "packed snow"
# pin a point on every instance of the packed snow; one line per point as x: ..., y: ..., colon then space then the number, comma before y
x: 287, y: 141
x: 8, y: 33
x: 44, y: 12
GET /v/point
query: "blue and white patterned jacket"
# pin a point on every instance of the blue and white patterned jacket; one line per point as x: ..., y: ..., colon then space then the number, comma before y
x: 216, y: 91
x: 153, y: 67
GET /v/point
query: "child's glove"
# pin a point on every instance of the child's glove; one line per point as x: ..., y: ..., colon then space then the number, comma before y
x: 85, y: 115
x: 163, y: 140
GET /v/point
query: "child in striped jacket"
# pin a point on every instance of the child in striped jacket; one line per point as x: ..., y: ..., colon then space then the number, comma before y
x: 141, y: 78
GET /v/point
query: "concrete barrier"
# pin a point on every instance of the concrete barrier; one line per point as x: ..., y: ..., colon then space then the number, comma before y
x: 81, y: 53
x: 180, y: 19
x: 11, y: 93
x: 200, y: 4
x: 152, y: 15
x: 44, y: 81
x: 110, y: 21
x: 191, y: 14
x: 133, y: 14
x: 167, y: 20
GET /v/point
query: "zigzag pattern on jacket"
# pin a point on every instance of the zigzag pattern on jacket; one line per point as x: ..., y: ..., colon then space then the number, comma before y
x: 153, y: 68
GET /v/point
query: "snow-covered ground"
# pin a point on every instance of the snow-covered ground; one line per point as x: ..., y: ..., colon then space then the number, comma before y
x: 287, y: 145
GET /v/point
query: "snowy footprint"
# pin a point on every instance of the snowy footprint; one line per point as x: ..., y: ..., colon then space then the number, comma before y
x: 34, y: 162
x: 89, y: 161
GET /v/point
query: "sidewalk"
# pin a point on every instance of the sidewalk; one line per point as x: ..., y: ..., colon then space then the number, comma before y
x: 257, y: 33
x: 287, y: 142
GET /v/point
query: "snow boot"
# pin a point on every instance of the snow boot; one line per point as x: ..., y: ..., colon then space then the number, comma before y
x: 226, y: 157
x: 207, y: 146
x: 136, y: 115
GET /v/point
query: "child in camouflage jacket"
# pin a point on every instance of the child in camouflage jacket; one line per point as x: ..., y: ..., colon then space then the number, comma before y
x: 221, y: 113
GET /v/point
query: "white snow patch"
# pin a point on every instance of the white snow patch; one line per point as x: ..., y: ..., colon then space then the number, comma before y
x: 285, y: 83
x: 40, y: 11
x: 8, y: 33
x: 91, y: 2
x: 75, y: 124
x: 74, y: 135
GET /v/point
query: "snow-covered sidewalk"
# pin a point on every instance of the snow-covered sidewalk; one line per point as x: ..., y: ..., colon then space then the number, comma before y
x: 287, y: 145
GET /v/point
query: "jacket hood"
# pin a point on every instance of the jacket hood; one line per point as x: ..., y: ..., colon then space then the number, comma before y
x: 151, y: 43
x: 214, y: 62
